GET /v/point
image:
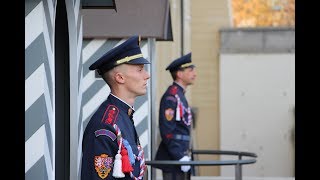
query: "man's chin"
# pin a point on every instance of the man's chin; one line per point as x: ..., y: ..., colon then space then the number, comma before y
x: 142, y: 93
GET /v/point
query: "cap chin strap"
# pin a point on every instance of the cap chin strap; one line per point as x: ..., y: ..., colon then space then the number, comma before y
x: 128, y: 58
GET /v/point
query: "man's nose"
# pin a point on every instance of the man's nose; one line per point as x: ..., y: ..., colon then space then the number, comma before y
x: 147, y: 75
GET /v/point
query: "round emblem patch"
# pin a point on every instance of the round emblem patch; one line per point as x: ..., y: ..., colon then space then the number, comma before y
x: 103, y: 165
x: 169, y: 114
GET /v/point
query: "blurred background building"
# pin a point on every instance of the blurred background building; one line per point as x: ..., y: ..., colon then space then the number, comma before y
x: 244, y: 95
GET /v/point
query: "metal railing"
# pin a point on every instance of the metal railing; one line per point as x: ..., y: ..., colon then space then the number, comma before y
x: 237, y: 163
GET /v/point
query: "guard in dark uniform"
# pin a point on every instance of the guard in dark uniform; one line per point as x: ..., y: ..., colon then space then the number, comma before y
x: 110, y: 146
x: 175, y: 120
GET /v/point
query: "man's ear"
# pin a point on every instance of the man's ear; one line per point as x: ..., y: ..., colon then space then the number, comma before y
x: 119, y: 77
x: 179, y: 74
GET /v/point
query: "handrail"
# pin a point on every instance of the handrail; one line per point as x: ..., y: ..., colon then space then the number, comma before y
x: 223, y: 152
x: 238, y: 163
x: 200, y: 163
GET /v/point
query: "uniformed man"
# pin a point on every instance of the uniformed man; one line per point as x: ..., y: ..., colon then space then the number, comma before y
x: 175, y: 120
x: 110, y: 146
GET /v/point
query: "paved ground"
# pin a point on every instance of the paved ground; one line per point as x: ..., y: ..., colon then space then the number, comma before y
x: 159, y: 177
x: 232, y: 178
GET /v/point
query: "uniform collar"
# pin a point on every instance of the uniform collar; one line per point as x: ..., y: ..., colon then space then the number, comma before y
x: 123, y: 105
x: 180, y: 86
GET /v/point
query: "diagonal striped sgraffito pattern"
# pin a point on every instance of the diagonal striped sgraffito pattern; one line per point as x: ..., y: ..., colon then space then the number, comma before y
x: 39, y: 90
x: 76, y: 82
x: 86, y: 91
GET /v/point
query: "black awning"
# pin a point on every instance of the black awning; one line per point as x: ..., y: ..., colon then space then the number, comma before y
x: 98, y: 4
x: 147, y: 18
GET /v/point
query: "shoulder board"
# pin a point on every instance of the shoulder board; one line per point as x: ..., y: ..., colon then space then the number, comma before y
x: 110, y: 115
x: 173, y: 90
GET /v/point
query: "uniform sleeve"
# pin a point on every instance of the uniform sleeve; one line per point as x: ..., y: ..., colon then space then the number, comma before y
x: 167, y: 125
x: 99, y: 155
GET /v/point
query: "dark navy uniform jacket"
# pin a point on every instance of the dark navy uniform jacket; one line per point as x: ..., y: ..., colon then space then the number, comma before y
x: 99, y: 145
x: 174, y: 123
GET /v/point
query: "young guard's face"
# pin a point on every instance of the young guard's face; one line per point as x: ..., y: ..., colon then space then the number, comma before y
x: 136, y: 79
x: 188, y: 75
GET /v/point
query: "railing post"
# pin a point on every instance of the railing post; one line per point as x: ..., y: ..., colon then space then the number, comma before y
x: 238, y: 169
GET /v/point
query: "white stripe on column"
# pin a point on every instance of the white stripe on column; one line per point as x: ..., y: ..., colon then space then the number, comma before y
x: 79, y: 150
x: 79, y: 48
x: 51, y: 8
x: 32, y: 154
x: 144, y: 138
x: 144, y: 51
x: 34, y: 86
x: 91, y: 48
x: 79, y: 98
x: 49, y: 107
x: 48, y: 45
x: 88, y: 80
x: 76, y: 10
x: 47, y: 159
x: 34, y: 24
x: 95, y: 102
x: 140, y: 113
